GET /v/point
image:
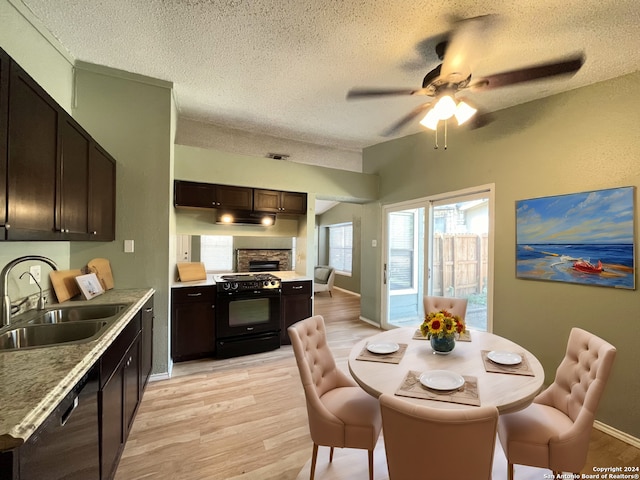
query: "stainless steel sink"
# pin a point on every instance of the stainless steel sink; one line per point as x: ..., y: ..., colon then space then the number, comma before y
x: 31, y: 336
x: 77, y: 313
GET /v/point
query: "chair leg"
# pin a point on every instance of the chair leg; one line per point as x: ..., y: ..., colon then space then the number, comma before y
x: 331, y: 455
x: 330, y: 294
x: 370, y: 464
x: 314, y: 457
x: 509, y: 471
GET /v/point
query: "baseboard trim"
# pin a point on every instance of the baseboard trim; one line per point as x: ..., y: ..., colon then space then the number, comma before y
x: 620, y: 435
x: 370, y: 322
x: 346, y: 291
x: 155, y: 377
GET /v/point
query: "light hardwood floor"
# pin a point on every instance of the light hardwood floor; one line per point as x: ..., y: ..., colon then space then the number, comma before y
x: 245, y: 417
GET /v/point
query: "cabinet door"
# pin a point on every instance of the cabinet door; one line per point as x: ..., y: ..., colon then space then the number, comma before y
x: 266, y: 200
x: 146, y: 347
x: 72, y: 210
x: 239, y: 198
x: 4, y: 111
x: 131, y: 386
x: 293, y: 202
x: 193, y: 331
x: 296, y: 305
x: 32, y: 154
x: 111, y: 424
x: 102, y: 195
x: 194, y: 194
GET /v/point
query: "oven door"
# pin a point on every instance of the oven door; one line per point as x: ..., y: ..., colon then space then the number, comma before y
x: 247, y: 313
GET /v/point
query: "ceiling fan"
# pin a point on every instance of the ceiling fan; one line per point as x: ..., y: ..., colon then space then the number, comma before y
x: 454, y: 75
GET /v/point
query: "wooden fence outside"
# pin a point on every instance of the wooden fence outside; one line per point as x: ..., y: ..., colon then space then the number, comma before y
x: 459, y: 264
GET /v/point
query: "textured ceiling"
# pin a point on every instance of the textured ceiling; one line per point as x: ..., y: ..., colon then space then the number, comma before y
x: 283, y: 67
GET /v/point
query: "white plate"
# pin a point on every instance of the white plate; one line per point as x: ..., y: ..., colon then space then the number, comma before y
x: 383, y: 348
x: 441, y: 380
x: 504, y: 358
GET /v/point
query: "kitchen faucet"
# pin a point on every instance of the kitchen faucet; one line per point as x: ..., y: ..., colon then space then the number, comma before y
x: 5, y: 313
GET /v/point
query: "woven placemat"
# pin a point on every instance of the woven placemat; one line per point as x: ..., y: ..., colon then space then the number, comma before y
x: 468, y: 394
x: 522, y: 368
x: 394, y: 357
x: 463, y: 337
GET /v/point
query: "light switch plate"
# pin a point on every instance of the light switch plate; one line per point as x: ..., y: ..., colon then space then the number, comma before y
x: 128, y: 246
x: 36, y: 272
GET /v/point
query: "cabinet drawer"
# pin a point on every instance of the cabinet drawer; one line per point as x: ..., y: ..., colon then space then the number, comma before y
x: 193, y: 294
x: 111, y: 358
x: 296, y: 288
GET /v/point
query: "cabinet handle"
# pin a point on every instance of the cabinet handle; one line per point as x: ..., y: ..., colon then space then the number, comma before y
x: 7, y: 226
x: 297, y: 287
x: 94, y: 233
x: 65, y: 417
x: 148, y: 310
x: 194, y: 294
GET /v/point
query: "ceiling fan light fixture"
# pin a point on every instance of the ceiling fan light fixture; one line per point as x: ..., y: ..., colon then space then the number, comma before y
x: 445, y: 108
x: 430, y: 120
x: 464, y: 112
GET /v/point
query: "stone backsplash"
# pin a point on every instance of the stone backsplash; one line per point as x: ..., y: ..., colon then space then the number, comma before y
x: 246, y: 255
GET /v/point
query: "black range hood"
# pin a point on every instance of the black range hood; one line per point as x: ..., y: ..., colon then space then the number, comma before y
x: 241, y: 217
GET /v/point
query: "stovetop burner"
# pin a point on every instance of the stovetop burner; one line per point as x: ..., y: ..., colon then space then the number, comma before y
x: 248, y: 277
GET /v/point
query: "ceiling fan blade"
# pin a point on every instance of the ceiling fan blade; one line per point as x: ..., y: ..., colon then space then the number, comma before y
x: 383, y: 92
x: 564, y: 67
x: 462, y: 48
x: 406, y: 119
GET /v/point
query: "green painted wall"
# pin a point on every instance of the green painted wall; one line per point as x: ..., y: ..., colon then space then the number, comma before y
x: 586, y: 139
x: 342, y: 213
x: 131, y: 117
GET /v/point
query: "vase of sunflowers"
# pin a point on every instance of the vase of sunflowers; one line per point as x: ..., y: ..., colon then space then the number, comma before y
x: 441, y: 329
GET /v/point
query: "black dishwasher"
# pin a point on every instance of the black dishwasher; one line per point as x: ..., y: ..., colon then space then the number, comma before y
x: 66, y: 444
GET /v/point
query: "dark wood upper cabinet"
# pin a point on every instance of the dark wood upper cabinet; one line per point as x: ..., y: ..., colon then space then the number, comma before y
x: 56, y: 182
x: 208, y: 195
x: 279, y: 202
x: 31, y: 160
x: 4, y: 112
x: 72, y: 207
x: 102, y: 195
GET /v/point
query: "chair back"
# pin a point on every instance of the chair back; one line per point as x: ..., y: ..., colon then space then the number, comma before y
x: 319, y: 375
x: 456, y: 306
x: 578, y: 387
x: 425, y: 443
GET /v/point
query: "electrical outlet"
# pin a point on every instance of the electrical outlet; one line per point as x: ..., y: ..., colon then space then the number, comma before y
x: 36, y: 272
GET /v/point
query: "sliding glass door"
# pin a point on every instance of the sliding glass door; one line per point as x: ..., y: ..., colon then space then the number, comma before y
x: 438, y: 246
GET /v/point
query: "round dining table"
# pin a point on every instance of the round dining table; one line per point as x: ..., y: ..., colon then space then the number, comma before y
x: 507, y: 391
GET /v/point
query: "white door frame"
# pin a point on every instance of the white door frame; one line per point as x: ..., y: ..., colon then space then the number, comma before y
x: 489, y: 190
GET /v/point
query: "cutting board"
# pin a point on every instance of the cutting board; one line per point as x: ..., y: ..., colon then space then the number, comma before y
x: 102, y: 268
x: 64, y: 284
x: 190, y: 271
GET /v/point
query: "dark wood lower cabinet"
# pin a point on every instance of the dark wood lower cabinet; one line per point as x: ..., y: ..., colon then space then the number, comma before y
x: 193, y: 323
x: 295, y: 305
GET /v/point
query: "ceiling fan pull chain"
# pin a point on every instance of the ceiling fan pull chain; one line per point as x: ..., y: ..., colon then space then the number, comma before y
x: 436, y: 145
x: 445, y: 134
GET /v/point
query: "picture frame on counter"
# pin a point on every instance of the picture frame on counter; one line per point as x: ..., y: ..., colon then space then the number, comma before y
x: 89, y: 285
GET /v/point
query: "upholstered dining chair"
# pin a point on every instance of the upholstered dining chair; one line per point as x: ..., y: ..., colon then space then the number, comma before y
x: 424, y: 443
x: 456, y: 306
x: 340, y: 413
x: 553, y: 432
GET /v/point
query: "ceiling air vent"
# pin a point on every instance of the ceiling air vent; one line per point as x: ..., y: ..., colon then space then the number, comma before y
x: 278, y: 156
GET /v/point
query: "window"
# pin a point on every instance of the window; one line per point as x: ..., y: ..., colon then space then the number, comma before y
x: 216, y: 252
x: 341, y: 247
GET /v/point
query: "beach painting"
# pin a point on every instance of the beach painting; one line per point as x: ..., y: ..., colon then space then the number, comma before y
x: 585, y: 238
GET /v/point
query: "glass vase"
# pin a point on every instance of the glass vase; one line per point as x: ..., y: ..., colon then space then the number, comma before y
x: 443, y: 345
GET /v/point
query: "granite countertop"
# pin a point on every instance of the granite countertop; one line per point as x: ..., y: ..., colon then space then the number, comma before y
x: 34, y: 381
x: 285, y: 276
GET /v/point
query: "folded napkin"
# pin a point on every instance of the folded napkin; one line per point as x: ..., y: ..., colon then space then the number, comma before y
x: 521, y: 368
x: 463, y: 337
x: 467, y: 394
x: 394, y: 357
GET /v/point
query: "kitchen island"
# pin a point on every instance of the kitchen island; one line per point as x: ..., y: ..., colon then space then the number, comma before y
x: 34, y: 381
